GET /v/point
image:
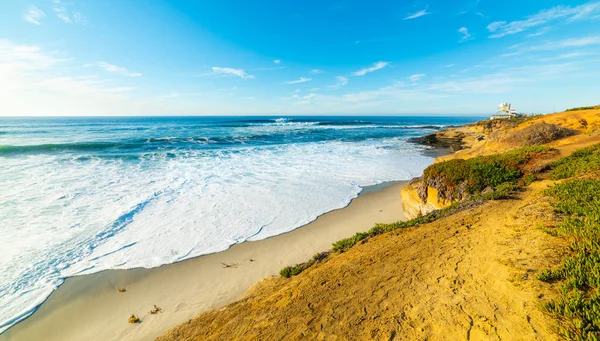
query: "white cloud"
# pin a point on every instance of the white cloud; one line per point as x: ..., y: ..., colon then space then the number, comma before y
x: 342, y: 81
x: 503, y: 28
x: 417, y: 15
x: 557, y: 45
x: 115, y: 69
x: 34, y: 15
x: 230, y: 71
x: 540, y: 32
x: 417, y: 77
x: 301, y: 80
x: 316, y: 71
x: 62, y: 12
x: 277, y: 61
x: 57, y: 87
x: 465, y: 34
x: 375, y: 67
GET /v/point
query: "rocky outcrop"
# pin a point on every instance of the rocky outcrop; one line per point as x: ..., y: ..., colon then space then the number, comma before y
x: 442, y: 139
x: 413, y: 204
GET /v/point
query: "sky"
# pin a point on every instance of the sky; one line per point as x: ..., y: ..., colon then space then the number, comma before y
x: 310, y: 57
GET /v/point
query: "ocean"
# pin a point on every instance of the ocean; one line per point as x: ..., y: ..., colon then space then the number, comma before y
x: 81, y: 195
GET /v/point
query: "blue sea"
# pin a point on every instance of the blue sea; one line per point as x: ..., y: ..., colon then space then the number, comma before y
x: 81, y: 195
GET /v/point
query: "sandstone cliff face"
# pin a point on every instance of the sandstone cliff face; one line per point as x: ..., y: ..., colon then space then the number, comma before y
x: 414, y: 206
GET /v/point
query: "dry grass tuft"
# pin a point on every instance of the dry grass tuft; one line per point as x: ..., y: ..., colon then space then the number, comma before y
x: 134, y: 319
x: 537, y: 134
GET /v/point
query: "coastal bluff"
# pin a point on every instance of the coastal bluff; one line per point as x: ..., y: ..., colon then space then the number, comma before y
x: 495, y: 136
x: 472, y: 272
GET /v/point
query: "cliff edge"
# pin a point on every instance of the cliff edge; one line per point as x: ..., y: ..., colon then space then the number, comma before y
x: 490, y: 265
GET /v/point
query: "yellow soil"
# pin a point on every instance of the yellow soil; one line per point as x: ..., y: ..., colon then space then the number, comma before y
x: 495, y: 141
x: 469, y: 276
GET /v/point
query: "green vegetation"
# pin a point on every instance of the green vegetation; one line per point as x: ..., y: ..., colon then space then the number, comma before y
x: 578, y: 305
x: 290, y: 271
x: 458, y: 179
x: 584, y: 108
x: 345, y: 244
x: 582, y: 161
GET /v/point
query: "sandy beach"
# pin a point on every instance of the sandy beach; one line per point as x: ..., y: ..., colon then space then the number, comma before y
x: 91, y: 308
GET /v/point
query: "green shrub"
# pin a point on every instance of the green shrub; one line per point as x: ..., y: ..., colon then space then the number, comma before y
x: 578, y: 305
x: 582, y: 161
x: 584, y: 108
x: 549, y: 276
x: 503, y: 191
x: 527, y: 180
x: 345, y: 244
x: 290, y: 271
x: 457, y: 179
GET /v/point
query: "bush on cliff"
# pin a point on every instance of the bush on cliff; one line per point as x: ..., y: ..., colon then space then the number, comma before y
x: 290, y: 271
x: 459, y: 179
x: 539, y: 133
x: 584, y: 108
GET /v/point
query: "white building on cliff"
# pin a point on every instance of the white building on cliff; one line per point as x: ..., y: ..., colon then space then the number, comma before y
x: 505, y: 111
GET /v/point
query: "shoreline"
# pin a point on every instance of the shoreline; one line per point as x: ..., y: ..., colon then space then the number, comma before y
x: 90, y: 307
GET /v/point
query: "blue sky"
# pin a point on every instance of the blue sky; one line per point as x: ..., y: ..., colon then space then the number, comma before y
x: 151, y: 57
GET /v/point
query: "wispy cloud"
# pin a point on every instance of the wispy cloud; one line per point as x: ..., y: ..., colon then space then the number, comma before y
x: 375, y: 67
x: 417, y: 15
x: 34, y: 15
x: 115, y: 69
x: 571, y: 55
x: 540, y: 32
x: 51, y: 78
x: 63, y: 13
x: 277, y: 61
x: 231, y: 71
x: 561, y: 44
x: 417, y: 77
x: 316, y: 71
x: 341, y: 81
x: 301, y: 80
x: 465, y: 34
x: 504, y: 28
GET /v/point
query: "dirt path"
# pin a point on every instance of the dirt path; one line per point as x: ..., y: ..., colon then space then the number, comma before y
x: 470, y: 276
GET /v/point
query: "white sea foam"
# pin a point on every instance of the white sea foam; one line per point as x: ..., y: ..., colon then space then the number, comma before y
x: 72, y: 217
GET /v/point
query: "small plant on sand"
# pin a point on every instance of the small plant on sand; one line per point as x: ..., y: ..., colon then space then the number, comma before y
x: 155, y: 310
x: 582, y: 161
x: 578, y: 305
x: 134, y: 319
x: 122, y: 290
